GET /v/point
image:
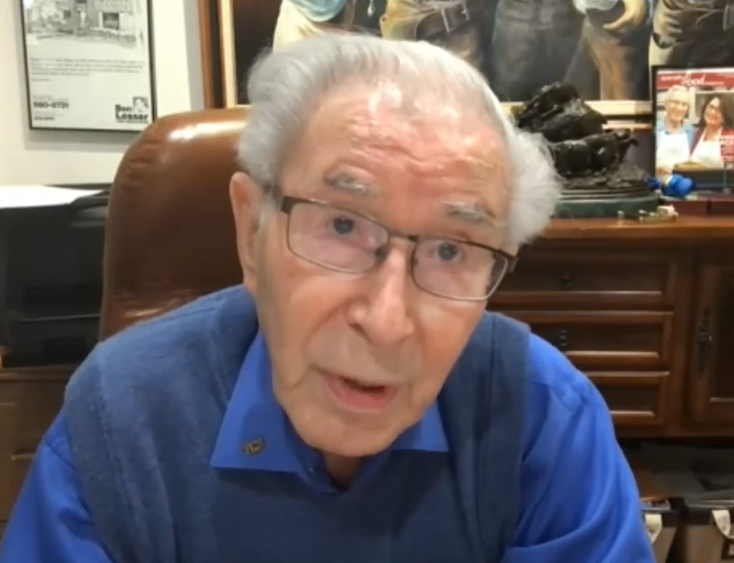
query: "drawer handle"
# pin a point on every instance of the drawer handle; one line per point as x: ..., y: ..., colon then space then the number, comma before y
x: 705, y: 341
x: 562, y: 340
x: 567, y: 281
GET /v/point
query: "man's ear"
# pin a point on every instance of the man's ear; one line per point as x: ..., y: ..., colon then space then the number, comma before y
x: 247, y: 199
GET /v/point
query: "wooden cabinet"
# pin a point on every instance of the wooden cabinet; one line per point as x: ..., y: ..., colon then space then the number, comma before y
x: 29, y: 400
x: 590, y: 277
x: 611, y: 311
x: 645, y: 311
x: 711, y: 369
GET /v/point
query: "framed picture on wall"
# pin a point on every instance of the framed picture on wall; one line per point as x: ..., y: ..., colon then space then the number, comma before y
x: 233, y: 33
x: 599, y: 46
x: 89, y: 64
x: 694, y: 124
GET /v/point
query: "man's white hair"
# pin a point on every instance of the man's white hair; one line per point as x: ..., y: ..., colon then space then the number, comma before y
x: 285, y: 87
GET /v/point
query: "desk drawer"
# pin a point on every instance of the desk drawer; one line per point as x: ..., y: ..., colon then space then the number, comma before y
x: 624, y: 340
x: 634, y: 398
x: 584, y: 277
x: 28, y: 404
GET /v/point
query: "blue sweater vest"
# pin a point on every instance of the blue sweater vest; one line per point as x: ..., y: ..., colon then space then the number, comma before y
x: 145, y: 409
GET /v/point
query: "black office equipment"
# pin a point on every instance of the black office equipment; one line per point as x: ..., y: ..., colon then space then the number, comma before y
x: 51, y: 281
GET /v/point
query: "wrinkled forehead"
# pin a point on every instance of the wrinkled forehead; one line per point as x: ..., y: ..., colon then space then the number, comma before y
x: 412, y: 147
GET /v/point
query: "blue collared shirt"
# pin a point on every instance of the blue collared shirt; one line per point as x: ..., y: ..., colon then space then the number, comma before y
x: 254, y: 413
x: 579, y: 498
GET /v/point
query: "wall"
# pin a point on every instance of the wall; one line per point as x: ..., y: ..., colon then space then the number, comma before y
x: 54, y: 157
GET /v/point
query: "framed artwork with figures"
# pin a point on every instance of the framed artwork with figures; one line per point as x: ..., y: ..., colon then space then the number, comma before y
x: 694, y: 124
x: 603, y: 47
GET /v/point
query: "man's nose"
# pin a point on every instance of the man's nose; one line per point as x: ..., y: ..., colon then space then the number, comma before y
x: 382, y: 314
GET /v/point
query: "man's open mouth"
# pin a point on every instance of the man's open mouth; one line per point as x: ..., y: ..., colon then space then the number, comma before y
x: 362, y: 386
x: 360, y: 395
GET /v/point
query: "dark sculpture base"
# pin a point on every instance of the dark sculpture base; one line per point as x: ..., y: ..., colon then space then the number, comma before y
x: 605, y: 208
x: 622, y: 189
x: 622, y: 181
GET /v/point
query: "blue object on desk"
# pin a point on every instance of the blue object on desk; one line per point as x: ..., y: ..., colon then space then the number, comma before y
x: 673, y: 185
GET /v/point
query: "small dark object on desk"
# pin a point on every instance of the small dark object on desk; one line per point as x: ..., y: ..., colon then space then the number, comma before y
x: 595, y: 153
x: 549, y: 99
x: 625, y: 181
x: 559, y: 114
x: 597, y: 180
x: 575, y: 120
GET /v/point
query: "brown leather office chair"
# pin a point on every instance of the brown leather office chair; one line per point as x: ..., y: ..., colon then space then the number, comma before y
x: 170, y: 232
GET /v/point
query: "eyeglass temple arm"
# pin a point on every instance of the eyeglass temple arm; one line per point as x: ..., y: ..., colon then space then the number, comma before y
x: 513, y: 261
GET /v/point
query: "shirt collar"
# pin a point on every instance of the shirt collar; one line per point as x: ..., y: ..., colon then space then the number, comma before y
x: 256, y: 434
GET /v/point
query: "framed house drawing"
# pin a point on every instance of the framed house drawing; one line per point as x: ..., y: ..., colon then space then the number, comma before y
x: 89, y: 64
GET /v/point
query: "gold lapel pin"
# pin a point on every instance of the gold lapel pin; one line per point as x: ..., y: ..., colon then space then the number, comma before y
x: 254, y: 447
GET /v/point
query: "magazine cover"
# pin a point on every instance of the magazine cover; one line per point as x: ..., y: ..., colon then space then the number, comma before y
x: 694, y: 123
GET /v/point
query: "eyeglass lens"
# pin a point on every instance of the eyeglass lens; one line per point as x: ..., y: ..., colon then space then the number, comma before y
x: 348, y: 242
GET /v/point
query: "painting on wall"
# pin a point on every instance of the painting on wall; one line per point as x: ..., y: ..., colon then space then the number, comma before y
x: 603, y: 47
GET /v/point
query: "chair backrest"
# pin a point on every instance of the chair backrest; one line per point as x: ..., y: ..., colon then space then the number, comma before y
x: 170, y: 232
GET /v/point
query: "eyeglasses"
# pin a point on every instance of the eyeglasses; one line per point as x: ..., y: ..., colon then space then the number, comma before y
x: 344, y: 241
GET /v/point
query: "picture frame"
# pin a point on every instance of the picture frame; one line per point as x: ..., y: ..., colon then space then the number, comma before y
x: 233, y: 32
x: 89, y: 64
x: 693, y: 124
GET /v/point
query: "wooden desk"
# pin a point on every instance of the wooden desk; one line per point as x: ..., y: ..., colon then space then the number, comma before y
x: 29, y: 400
x: 646, y: 310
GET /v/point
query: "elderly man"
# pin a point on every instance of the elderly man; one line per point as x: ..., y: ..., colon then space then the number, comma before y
x: 353, y: 402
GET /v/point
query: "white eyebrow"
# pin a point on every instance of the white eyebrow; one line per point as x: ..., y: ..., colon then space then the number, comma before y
x: 471, y: 213
x: 466, y: 212
x: 349, y: 184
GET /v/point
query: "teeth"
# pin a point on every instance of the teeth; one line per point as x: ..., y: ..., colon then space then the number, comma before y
x: 361, y: 387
